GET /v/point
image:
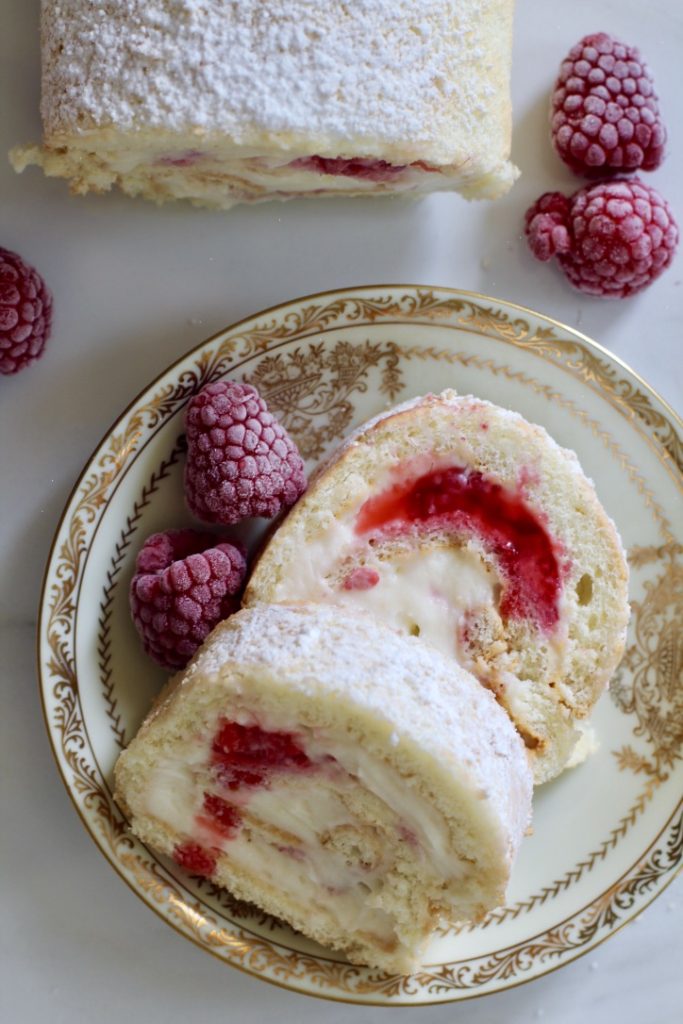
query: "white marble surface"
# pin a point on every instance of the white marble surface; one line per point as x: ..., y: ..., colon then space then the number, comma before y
x: 135, y: 287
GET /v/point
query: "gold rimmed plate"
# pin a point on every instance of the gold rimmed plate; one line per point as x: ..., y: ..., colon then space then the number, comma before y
x: 608, y: 835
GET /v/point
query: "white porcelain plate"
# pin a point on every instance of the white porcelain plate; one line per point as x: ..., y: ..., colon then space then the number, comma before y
x: 608, y: 835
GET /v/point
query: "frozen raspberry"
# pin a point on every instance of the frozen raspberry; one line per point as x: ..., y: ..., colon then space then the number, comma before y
x: 611, y: 239
x: 184, y: 584
x: 25, y: 313
x: 605, y: 113
x: 240, y: 461
x: 550, y: 234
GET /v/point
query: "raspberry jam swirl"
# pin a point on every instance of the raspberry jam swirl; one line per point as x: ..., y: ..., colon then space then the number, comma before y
x: 243, y: 758
x: 246, y: 755
x: 463, y: 501
x: 364, y: 168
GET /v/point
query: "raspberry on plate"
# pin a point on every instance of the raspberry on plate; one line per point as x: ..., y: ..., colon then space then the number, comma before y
x: 240, y: 461
x: 185, y: 583
x: 25, y: 313
x: 605, y: 112
x: 611, y: 239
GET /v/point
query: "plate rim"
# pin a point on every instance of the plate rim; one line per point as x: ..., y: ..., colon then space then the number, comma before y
x: 330, y: 294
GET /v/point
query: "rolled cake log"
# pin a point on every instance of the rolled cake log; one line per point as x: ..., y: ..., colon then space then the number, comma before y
x: 349, y: 780
x: 223, y: 103
x: 455, y: 520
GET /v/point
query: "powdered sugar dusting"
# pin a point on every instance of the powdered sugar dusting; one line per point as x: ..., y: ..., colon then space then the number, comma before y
x: 389, y: 70
x: 419, y: 694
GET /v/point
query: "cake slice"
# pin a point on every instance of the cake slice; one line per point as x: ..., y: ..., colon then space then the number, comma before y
x: 223, y: 103
x: 455, y: 520
x: 349, y: 780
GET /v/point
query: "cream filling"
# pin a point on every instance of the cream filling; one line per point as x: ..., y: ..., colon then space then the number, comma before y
x: 425, y: 592
x: 351, y: 908
x: 181, y: 172
x: 261, y: 175
x: 171, y: 793
x: 397, y: 793
x: 306, y: 807
x: 586, y: 745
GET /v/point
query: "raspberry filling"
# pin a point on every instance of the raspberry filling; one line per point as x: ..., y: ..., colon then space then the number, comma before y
x: 464, y: 501
x: 220, y: 816
x: 357, y: 167
x: 370, y: 170
x: 242, y: 757
x: 195, y: 859
x: 246, y: 755
x: 362, y: 578
x: 186, y: 159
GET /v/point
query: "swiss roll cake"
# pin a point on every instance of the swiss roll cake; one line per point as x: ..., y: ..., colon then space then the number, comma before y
x: 458, y: 522
x: 226, y: 102
x: 354, y: 782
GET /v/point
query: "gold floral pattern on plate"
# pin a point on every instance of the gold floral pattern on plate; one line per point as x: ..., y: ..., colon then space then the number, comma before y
x: 325, y: 363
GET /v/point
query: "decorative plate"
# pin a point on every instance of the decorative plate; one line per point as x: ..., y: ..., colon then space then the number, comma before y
x: 608, y: 835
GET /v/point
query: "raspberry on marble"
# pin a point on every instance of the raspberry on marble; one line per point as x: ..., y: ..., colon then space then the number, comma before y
x: 611, y: 239
x: 185, y: 583
x: 240, y: 461
x: 605, y: 113
x: 25, y: 313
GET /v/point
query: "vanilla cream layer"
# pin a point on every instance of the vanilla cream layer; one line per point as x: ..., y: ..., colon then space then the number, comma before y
x: 285, y: 825
x: 246, y: 183
x: 213, y: 179
x: 426, y: 593
x: 423, y: 591
x: 266, y: 172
